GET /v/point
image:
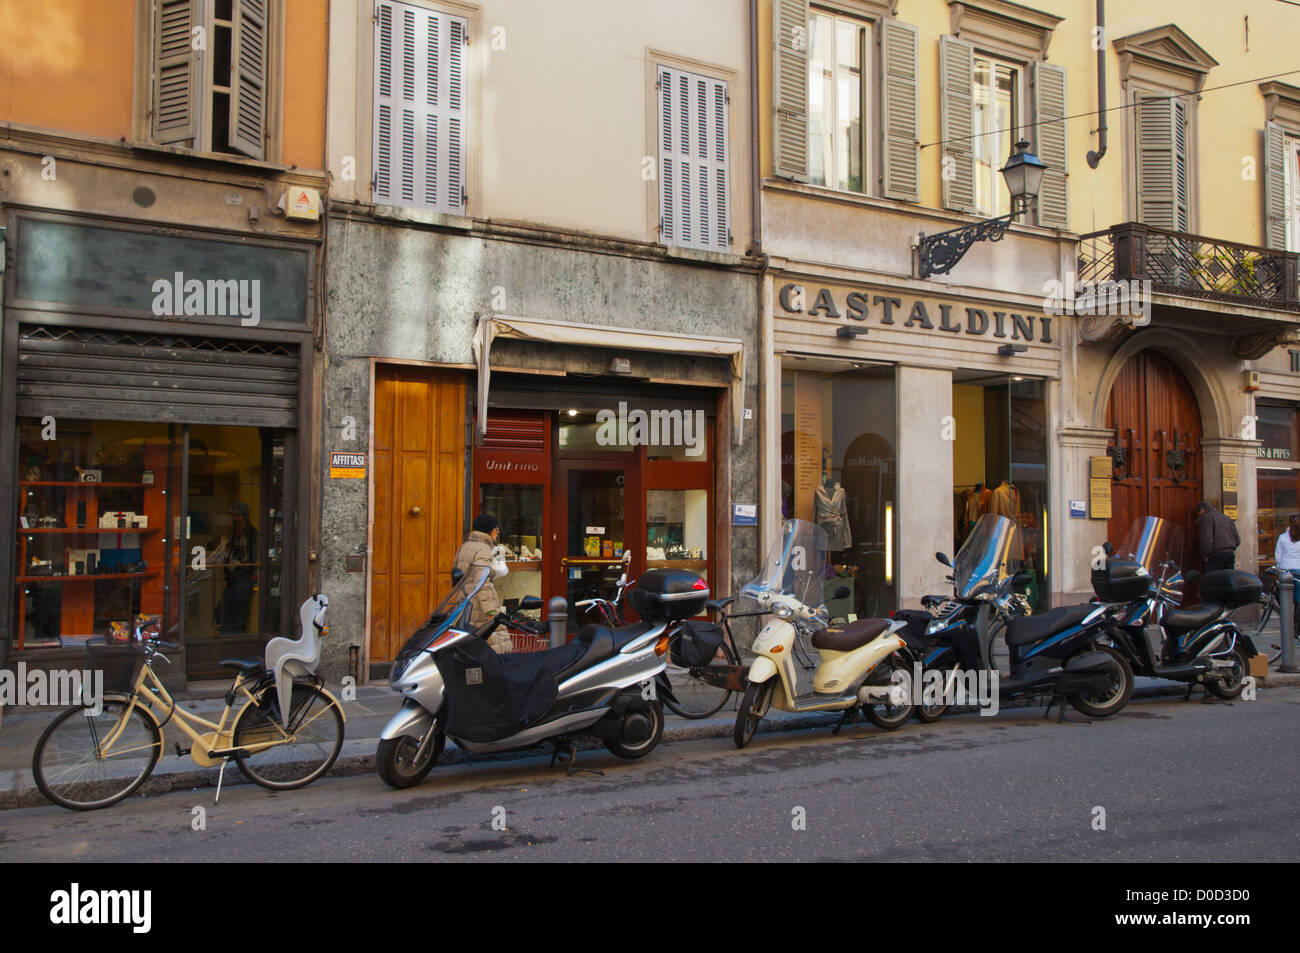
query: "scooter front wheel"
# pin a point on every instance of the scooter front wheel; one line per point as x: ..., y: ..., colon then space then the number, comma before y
x: 753, y: 706
x: 395, y: 760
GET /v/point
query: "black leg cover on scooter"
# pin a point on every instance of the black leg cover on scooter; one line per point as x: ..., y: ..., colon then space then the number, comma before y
x: 491, y: 696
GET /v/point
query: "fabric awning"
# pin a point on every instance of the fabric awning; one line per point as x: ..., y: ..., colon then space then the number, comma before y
x: 492, y: 326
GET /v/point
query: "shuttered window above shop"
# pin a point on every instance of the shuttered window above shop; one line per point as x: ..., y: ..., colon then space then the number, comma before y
x: 1162, y: 162
x: 420, y: 111
x: 694, y: 156
x: 209, y: 75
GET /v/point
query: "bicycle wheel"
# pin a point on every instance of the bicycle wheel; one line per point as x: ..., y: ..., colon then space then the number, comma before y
x: 696, y: 698
x: 283, y: 757
x: 85, y: 761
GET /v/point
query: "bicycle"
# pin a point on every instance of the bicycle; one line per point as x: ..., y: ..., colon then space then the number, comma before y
x: 86, y: 760
x: 1267, y: 607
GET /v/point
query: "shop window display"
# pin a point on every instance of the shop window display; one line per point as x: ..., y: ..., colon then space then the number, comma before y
x: 518, y: 508
x: 1277, y: 475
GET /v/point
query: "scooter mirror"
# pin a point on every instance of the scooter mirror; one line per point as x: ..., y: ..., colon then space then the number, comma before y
x: 530, y: 603
x: 842, y: 592
x: 456, y: 576
x: 1108, y: 548
x: 943, y: 558
x: 1020, y: 581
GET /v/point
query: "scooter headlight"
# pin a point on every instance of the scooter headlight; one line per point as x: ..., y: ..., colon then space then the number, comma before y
x: 782, y: 610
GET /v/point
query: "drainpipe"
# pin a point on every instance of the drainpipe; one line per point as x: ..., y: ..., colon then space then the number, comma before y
x: 755, y: 186
x: 1094, y: 156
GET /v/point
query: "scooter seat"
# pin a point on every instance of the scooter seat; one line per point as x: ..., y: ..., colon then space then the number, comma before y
x: 1025, y: 630
x: 1193, y: 617
x: 846, y: 638
x: 593, y: 644
x: 567, y: 657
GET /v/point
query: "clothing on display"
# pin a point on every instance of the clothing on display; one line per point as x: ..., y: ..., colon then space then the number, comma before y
x: 832, y: 515
x: 1006, y: 501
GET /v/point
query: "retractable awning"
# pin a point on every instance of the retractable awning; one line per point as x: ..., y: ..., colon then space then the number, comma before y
x: 492, y: 326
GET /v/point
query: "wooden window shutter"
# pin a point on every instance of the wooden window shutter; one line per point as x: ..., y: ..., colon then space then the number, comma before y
x: 1181, y: 158
x: 1155, y: 162
x: 175, y: 72
x: 1051, y: 145
x: 419, y: 121
x: 248, y: 79
x: 790, y: 80
x: 901, y: 162
x: 694, y: 151
x: 957, y: 106
x: 1275, y: 210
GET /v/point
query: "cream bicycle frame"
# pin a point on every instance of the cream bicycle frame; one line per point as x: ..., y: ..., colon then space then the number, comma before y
x: 205, y: 747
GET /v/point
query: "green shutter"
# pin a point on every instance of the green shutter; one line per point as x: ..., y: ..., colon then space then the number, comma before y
x: 1050, y: 144
x: 790, y: 87
x: 174, y: 117
x: 900, y: 155
x: 1275, y: 210
x: 248, y: 79
x: 957, y: 106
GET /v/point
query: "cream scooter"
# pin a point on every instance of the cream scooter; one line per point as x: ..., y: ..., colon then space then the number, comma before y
x: 858, y: 668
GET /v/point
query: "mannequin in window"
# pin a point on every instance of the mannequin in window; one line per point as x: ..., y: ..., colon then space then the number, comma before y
x: 973, y: 506
x: 832, y: 514
x: 1006, y: 501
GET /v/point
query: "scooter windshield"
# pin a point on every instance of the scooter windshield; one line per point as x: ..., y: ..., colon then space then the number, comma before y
x: 796, y: 565
x: 453, y: 609
x: 1152, y: 542
x: 990, y: 554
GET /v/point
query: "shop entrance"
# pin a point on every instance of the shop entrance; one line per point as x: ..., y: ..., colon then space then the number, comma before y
x: 1155, y: 448
x: 598, y: 506
x: 419, y: 434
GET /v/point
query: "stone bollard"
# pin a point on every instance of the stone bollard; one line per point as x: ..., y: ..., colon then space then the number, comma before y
x: 557, y: 614
x: 1286, y: 616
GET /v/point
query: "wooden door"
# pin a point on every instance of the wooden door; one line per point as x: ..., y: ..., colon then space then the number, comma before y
x: 419, y: 490
x: 1157, y: 422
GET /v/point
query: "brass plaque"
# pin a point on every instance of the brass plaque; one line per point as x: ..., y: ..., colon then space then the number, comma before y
x: 1099, y: 498
x: 1229, y: 478
x: 1101, y: 468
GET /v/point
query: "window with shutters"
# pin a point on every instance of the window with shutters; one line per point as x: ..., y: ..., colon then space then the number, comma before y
x: 1162, y: 160
x: 210, y: 75
x: 419, y: 123
x: 1291, y: 149
x: 694, y: 156
x: 995, y: 126
x: 1280, y: 168
x: 839, y: 53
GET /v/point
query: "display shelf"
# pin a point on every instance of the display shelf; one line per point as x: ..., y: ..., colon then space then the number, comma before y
x: 694, y: 565
x: 78, y: 483
x: 89, y: 531
x: 83, y: 577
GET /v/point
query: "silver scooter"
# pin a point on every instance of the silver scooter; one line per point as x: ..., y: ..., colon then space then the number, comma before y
x: 606, y: 682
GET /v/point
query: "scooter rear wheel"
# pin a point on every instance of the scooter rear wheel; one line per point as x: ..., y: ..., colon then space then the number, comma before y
x: 395, y: 760
x: 1231, y: 686
x: 1121, y: 689
x: 641, y: 748
x: 753, y: 706
x: 891, y: 715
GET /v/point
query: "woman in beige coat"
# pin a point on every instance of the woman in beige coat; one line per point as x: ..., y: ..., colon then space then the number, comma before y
x: 474, y: 555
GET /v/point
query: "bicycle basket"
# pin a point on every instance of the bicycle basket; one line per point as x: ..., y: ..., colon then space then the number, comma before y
x: 119, y: 663
x: 696, y: 644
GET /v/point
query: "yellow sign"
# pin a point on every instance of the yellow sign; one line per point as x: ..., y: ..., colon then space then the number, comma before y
x: 1099, y: 499
x: 1100, y: 468
x: 348, y: 466
x: 1230, y: 490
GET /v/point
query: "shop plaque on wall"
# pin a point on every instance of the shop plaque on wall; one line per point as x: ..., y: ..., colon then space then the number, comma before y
x: 1230, y: 490
x: 1099, y: 487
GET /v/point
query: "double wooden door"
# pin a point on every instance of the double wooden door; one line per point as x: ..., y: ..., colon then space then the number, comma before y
x: 1156, y: 450
x: 419, y: 499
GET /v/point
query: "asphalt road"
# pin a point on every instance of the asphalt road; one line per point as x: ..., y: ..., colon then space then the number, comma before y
x: 1185, y: 782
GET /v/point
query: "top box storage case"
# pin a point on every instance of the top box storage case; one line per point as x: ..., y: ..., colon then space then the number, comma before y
x: 1123, y: 580
x: 1232, y: 587
x: 663, y: 594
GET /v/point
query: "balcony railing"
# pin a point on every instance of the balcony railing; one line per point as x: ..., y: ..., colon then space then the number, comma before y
x: 1192, y: 265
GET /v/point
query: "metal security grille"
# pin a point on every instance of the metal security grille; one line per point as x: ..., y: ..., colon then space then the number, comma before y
x: 108, y: 375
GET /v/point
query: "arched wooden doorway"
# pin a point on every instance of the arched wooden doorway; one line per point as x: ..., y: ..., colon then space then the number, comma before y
x: 1157, y: 446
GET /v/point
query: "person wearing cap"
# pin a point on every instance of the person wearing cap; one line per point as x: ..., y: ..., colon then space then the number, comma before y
x: 475, y: 555
x: 241, y: 571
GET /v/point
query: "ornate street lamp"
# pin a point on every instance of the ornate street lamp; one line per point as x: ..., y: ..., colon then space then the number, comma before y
x: 1023, y: 174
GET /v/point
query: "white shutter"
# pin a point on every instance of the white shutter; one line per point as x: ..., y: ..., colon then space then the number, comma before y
x: 790, y: 80
x: 1050, y: 146
x: 901, y: 155
x: 694, y: 187
x: 175, y: 72
x: 957, y: 107
x: 248, y: 79
x: 1157, y: 163
x: 419, y: 120
x: 1275, y: 206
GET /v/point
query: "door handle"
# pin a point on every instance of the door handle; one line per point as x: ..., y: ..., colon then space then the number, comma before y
x: 415, y: 511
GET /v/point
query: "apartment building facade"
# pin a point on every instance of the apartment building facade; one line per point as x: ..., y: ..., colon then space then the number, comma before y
x: 905, y: 395
x: 540, y: 301
x: 161, y: 163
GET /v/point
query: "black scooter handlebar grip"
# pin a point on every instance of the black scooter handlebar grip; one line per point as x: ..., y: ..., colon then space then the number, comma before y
x: 488, y: 627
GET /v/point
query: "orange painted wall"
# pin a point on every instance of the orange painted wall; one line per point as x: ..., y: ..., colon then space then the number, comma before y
x: 305, y: 38
x: 67, y: 65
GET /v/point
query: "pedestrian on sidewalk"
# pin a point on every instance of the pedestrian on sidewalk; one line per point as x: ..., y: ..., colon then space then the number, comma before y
x: 1287, y: 555
x: 1218, y: 538
x: 475, y: 555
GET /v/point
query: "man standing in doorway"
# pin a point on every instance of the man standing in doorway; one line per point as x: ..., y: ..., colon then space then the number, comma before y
x: 1218, y: 537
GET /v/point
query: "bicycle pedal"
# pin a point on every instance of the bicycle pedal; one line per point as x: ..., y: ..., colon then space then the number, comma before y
x: 181, y: 752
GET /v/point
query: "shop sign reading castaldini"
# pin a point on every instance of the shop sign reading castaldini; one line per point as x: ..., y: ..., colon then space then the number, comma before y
x: 890, y: 311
